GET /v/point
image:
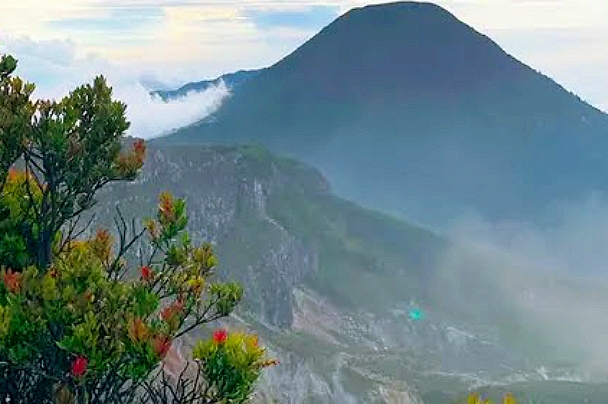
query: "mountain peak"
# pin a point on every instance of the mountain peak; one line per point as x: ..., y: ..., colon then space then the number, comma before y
x: 390, y: 47
x: 402, y: 6
x: 397, y: 17
x: 408, y: 93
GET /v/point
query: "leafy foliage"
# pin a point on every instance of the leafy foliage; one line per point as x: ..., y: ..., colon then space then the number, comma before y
x: 74, y: 327
x: 475, y: 398
x: 231, y: 363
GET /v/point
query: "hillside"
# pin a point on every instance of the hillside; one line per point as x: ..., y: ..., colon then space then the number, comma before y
x: 408, y: 93
x: 285, y: 215
x: 329, y: 284
x: 231, y: 80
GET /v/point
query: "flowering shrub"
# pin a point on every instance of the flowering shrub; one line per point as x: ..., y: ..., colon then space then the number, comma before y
x: 231, y: 363
x: 474, y: 398
x: 74, y: 326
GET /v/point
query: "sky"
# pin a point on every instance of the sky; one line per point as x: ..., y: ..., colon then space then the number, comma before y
x: 166, y: 43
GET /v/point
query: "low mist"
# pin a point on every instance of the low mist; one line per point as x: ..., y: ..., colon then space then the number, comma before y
x: 59, y: 66
x: 546, y: 287
x: 151, y: 117
x: 148, y: 114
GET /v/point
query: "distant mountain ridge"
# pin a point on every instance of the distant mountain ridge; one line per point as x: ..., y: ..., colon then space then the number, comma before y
x: 231, y: 80
x: 407, y: 93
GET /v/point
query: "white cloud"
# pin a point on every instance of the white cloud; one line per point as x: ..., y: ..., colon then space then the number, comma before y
x: 57, y: 67
x: 197, y: 39
x: 151, y: 117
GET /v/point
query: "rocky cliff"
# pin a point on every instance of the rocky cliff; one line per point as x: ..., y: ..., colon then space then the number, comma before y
x: 226, y: 192
x: 328, y: 284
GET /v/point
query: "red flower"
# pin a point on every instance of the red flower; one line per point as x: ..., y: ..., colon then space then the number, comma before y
x: 146, y: 273
x: 161, y: 345
x: 12, y: 281
x: 220, y: 336
x: 79, y: 366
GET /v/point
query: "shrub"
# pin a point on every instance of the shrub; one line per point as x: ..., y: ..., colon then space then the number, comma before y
x: 475, y: 398
x: 75, y: 325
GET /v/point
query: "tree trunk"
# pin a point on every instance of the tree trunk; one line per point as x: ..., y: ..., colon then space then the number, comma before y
x: 44, y: 250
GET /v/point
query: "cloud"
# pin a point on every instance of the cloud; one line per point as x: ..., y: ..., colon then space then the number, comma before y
x: 46, y: 62
x: 575, y: 57
x: 314, y: 18
x: 206, y: 38
x: 120, y: 26
x: 57, y: 67
x: 58, y: 52
x: 548, y: 284
x: 176, y: 41
x: 118, y: 19
x: 152, y: 117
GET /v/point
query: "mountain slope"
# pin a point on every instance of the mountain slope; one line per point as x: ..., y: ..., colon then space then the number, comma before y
x: 329, y: 284
x: 232, y: 81
x: 408, y: 93
x: 277, y: 215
